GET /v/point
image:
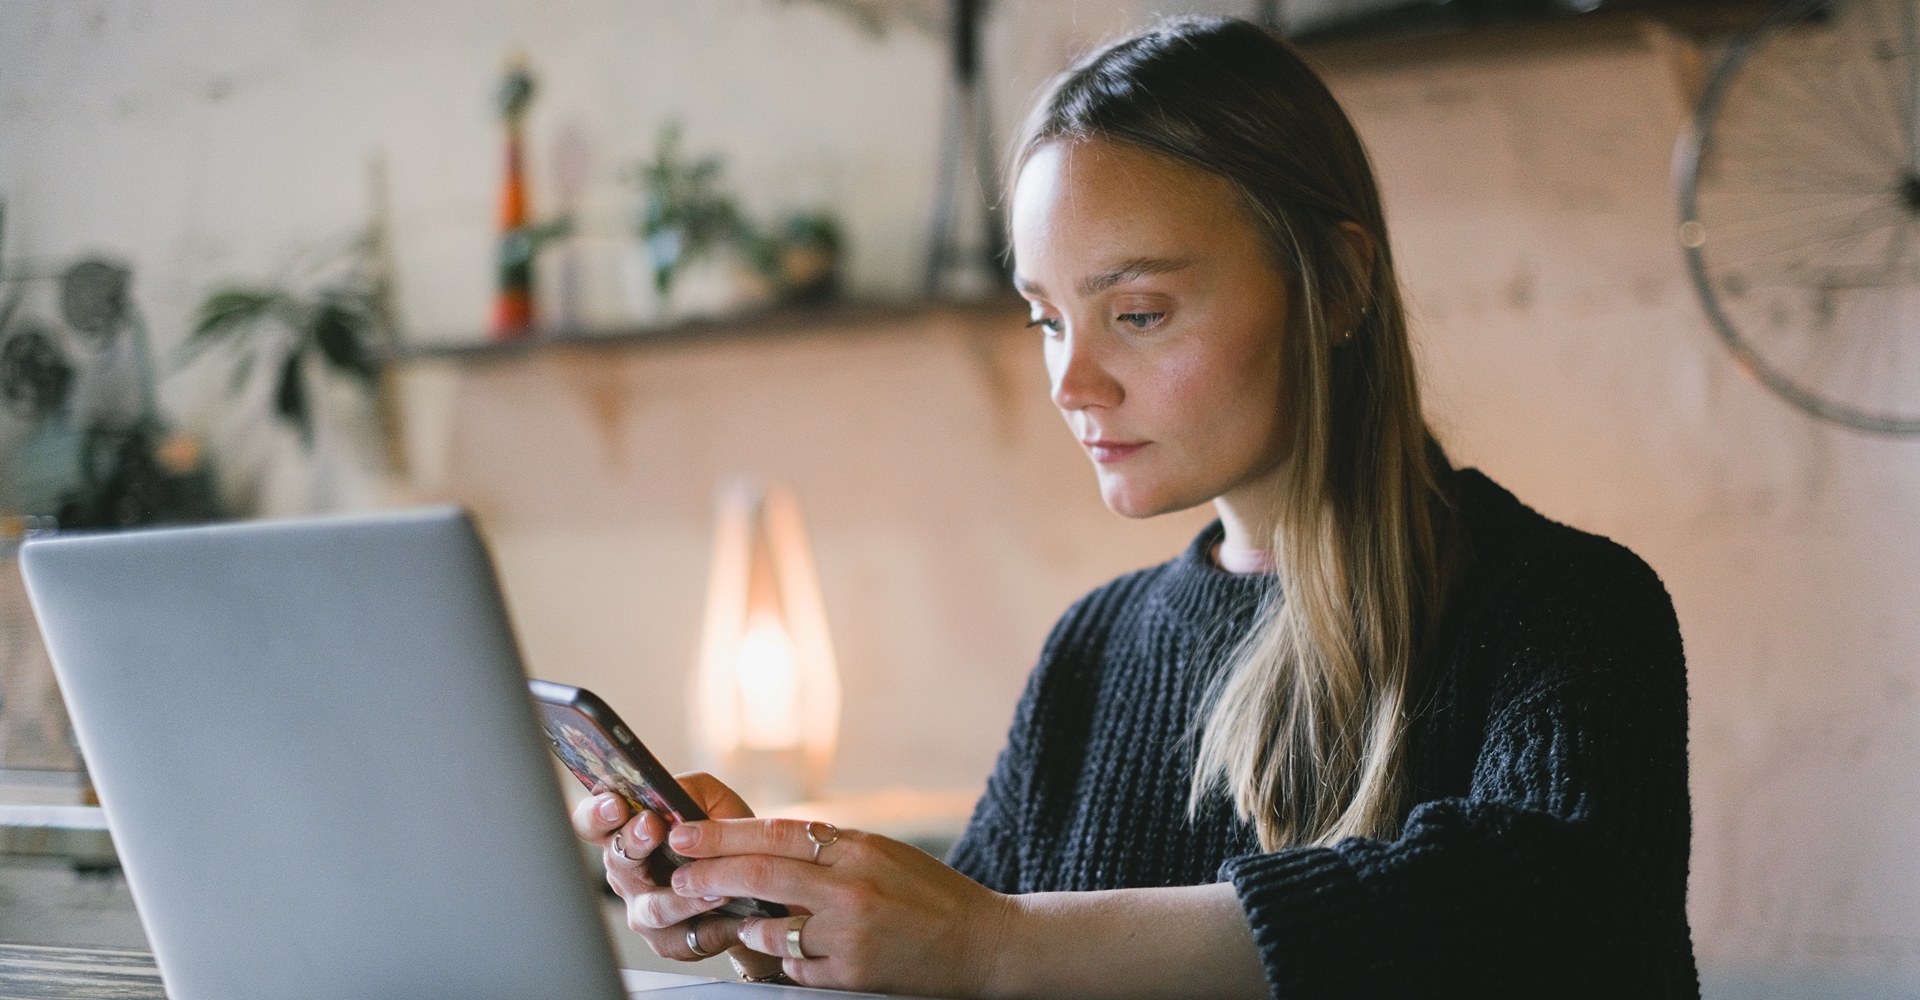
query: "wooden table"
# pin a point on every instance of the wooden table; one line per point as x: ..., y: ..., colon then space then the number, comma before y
x: 40, y: 972
x: 37, y: 972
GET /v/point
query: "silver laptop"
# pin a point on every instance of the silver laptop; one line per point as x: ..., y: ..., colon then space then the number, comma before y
x: 317, y: 755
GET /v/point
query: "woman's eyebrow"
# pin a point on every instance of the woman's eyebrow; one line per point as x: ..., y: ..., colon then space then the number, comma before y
x: 1138, y: 267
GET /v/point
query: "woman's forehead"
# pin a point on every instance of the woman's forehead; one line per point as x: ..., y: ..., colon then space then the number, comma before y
x: 1095, y: 206
x: 1079, y: 168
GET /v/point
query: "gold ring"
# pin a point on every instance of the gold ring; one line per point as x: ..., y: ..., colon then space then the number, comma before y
x: 822, y: 835
x: 793, y: 938
x: 693, y: 944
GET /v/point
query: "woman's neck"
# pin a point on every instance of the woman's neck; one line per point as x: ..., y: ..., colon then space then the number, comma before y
x: 1243, y: 562
x: 1246, y: 548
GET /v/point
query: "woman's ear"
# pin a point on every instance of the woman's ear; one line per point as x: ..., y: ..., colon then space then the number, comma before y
x: 1351, y: 304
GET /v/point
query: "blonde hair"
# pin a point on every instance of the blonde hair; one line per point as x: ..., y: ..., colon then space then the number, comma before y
x: 1306, y: 727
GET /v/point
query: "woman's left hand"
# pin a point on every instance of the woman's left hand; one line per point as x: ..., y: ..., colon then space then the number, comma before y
x: 883, y: 916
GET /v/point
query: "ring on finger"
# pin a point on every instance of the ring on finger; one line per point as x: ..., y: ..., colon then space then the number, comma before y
x: 822, y: 835
x: 693, y: 944
x: 740, y: 969
x: 793, y: 937
x: 623, y: 854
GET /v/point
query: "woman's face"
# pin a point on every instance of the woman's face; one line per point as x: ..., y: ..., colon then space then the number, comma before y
x: 1163, y: 317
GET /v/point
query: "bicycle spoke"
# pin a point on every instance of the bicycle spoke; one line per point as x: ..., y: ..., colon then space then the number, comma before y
x: 1803, y: 187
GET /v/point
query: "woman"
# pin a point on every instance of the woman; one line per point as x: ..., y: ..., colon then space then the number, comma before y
x: 1381, y: 730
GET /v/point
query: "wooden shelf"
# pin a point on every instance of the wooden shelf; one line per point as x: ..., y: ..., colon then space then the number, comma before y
x: 785, y: 321
x: 1599, y: 29
x: 53, y: 817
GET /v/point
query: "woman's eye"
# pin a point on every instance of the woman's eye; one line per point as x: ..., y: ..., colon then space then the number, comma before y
x: 1141, y: 321
x: 1045, y: 323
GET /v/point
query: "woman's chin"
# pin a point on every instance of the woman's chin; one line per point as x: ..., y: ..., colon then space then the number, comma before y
x: 1130, y: 500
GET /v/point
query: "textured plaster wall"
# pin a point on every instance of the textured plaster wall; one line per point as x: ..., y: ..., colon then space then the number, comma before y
x: 951, y: 518
x: 1566, y: 355
x: 1531, y: 213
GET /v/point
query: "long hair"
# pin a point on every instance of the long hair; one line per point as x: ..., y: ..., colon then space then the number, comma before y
x: 1306, y: 727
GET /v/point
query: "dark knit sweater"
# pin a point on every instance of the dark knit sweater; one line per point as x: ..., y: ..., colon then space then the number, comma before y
x: 1545, y: 849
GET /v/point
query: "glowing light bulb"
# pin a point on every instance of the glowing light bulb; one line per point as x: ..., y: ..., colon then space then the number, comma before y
x: 769, y: 687
x: 766, y: 692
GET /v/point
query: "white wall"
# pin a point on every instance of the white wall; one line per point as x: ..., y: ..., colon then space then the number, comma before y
x: 210, y: 141
x: 213, y: 141
x: 1531, y: 212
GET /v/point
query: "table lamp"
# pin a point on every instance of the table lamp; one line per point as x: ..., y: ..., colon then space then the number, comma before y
x: 766, y: 691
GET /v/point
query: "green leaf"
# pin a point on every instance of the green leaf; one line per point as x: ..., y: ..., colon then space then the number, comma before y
x: 232, y: 309
x: 550, y: 230
x: 226, y: 313
x: 339, y: 330
x: 761, y: 252
x: 290, y: 398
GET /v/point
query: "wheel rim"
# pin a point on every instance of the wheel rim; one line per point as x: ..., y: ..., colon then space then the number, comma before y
x: 1805, y: 248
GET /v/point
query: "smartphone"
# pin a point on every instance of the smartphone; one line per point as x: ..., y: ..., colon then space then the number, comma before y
x: 605, y: 755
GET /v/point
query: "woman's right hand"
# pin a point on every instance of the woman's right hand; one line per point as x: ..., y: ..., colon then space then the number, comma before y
x: 654, y: 910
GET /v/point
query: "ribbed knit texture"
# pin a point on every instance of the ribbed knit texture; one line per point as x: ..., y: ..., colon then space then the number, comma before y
x: 1545, y: 849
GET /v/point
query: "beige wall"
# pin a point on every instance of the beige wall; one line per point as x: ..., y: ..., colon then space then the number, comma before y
x: 951, y: 515
x: 1566, y: 355
x: 1530, y: 207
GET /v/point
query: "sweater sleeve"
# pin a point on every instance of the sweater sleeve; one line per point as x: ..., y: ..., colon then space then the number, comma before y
x: 1562, y: 871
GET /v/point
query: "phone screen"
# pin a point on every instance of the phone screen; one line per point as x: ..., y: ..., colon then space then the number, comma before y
x: 599, y: 749
x: 601, y: 766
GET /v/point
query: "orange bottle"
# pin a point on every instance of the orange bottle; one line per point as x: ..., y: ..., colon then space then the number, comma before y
x: 513, y: 301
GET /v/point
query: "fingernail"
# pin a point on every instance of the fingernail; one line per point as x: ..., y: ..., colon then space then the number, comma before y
x: 608, y: 809
x: 712, y: 899
x: 680, y: 877
x: 683, y: 837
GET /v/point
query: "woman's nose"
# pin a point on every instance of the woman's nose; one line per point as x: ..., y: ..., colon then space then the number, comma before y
x: 1080, y: 379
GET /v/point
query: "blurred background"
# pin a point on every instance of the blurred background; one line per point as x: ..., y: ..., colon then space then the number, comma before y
x: 586, y: 267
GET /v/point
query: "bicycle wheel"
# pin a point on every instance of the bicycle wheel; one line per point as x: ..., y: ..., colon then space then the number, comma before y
x: 1800, y: 208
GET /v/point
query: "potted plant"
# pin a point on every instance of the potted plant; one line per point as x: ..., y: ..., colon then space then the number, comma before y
x: 291, y: 341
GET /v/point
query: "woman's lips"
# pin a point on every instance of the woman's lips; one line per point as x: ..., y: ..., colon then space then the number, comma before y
x: 1106, y: 451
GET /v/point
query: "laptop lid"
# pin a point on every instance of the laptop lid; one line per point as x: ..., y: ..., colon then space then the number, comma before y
x: 315, y: 749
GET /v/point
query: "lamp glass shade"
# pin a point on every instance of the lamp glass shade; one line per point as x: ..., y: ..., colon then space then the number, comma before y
x: 766, y: 690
